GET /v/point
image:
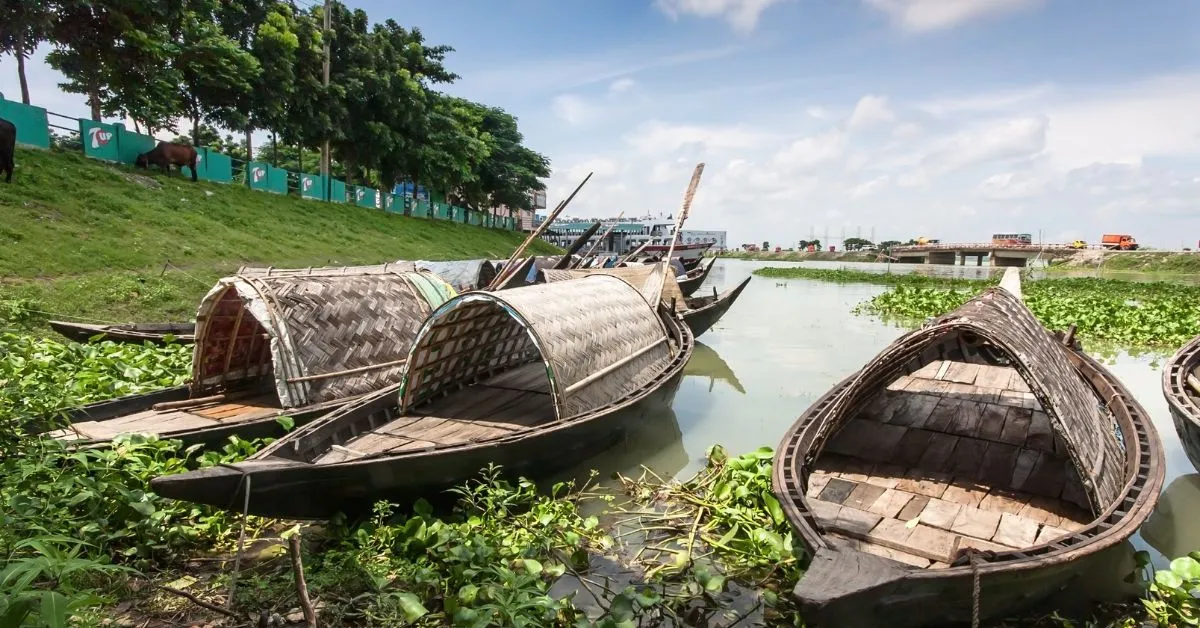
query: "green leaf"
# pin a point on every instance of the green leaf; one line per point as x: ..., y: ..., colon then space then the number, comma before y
x: 1167, y: 579
x: 286, y: 422
x: 1186, y: 567
x: 410, y: 605
x: 467, y: 593
x: 531, y: 566
x: 54, y: 609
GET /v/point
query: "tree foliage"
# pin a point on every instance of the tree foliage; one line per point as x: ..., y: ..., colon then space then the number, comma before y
x: 23, y: 25
x: 230, y: 68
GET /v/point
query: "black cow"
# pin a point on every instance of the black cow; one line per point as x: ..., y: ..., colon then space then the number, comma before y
x: 8, y: 145
x: 168, y: 154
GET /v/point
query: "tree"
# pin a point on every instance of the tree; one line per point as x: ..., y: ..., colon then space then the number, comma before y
x: 23, y: 25
x: 306, y: 113
x: 91, y: 37
x: 452, y: 152
x: 215, y: 73
x: 853, y: 244
x: 511, y: 171
x: 887, y: 245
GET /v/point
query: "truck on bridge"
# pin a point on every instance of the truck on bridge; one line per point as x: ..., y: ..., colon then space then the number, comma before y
x: 1118, y: 241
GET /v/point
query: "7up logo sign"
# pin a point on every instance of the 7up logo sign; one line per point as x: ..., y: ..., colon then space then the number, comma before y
x: 258, y: 173
x: 306, y: 184
x: 98, y: 137
x: 360, y: 194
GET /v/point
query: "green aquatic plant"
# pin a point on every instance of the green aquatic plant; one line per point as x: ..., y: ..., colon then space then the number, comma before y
x: 846, y: 275
x: 1173, y: 596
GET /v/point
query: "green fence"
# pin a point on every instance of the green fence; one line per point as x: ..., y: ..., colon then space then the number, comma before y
x: 113, y: 142
x: 33, y: 127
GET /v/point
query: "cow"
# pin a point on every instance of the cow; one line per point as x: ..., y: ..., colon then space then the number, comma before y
x: 8, y: 145
x: 168, y: 154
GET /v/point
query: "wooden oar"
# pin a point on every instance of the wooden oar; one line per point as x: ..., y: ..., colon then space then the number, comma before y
x: 687, y: 207
x: 506, y: 273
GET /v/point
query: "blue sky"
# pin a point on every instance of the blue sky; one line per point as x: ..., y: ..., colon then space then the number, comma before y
x: 947, y: 118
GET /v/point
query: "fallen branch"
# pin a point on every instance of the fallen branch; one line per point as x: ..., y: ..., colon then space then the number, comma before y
x: 199, y: 602
x: 310, y: 614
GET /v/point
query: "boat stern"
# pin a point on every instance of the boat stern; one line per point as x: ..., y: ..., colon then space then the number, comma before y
x: 224, y: 485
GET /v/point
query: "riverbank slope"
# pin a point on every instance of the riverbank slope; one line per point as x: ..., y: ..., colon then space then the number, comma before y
x: 99, y: 241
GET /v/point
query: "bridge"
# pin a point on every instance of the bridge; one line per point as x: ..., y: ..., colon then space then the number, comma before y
x: 998, y: 254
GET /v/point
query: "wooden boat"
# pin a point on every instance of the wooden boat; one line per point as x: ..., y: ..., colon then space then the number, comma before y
x: 690, y: 282
x: 292, y: 343
x: 464, y: 275
x: 532, y: 378
x: 158, y: 333
x: 1181, y: 387
x: 1171, y: 528
x: 979, y: 451
x: 699, y: 313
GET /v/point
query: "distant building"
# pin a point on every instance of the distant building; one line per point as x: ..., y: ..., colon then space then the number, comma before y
x: 717, y: 238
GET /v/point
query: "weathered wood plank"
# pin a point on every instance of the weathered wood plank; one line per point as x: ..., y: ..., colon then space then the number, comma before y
x: 913, y: 508
x: 1047, y: 477
x: 962, y: 372
x: 977, y: 523
x: 991, y: 423
x: 965, y: 493
x: 921, y: 482
x: 1048, y: 533
x: 837, y: 490
x: 1003, y: 501
x: 1041, y: 434
x: 916, y: 410
x: 929, y: 371
x: 855, y: 522
x: 938, y: 452
x: 939, y: 420
x: 1026, y: 460
x: 997, y: 467
x: 966, y: 422
x: 890, y: 503
x: 996, y: 377
x: 887, y: 552
x: 940, y: 513
x: 968, y: 457
x: 863, y: 496
x: 816, y: 484
x: 1016, y: 426
x: 911, y: 447
x: 933, y: 543
x: 1015, y: 531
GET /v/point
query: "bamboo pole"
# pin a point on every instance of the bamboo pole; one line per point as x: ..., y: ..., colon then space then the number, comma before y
x: 605, y: 235
x: 506, y: 273
x: 683, y: 213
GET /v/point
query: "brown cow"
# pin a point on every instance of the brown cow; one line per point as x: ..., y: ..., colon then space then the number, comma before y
x: 8, y: 145
x: 168, y: 154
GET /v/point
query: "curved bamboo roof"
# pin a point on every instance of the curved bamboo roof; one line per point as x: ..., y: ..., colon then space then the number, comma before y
x: 319, y: 334
x: 647, y: 278
x: 598, y: 338
x: 464, y: 275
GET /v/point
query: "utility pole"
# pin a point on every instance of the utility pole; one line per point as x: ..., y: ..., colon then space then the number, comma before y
x: 326, y: 36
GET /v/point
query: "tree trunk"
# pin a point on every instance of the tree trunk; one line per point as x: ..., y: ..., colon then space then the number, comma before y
x: 196, y: 129
x: 274, y: 151
x: 21, y: 68
x: 94, y: 101
x: 300, y: 158
x: 136, y: 128
x: 249, y: 145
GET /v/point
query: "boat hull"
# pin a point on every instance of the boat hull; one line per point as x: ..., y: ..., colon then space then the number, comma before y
x: 702, y: 319
x: 1184, y: 412
x: 684, y: 251
x: 689, y: 285
x: 297, y: 490
x: 182, y: 333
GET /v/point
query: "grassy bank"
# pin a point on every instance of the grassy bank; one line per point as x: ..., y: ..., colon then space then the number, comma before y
x: 1158, y: 262
x: 85, y: 238
x: 1154, y: 315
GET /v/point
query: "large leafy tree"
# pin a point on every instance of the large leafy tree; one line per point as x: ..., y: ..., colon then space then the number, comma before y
x: 305, y: 112
x: 215, y: 73
x: 93, y: 37
x: 23, y: 25
x: 511, y: 171
x: 453, y: 149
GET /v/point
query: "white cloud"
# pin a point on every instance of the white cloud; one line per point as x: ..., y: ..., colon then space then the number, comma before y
x: 742, y: 15
x: 920, y: 16
x: 995, y: 141
x: 657, y: 137
x: 810, y: 152
x: 1002, y: 100
x: 869, y: 111
x: 573, y: 109
x: 622, y: 84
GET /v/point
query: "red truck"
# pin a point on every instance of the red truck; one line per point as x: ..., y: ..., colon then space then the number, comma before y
x: 1118, y: 241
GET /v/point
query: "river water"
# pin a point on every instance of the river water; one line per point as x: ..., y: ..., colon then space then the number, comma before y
x: 785, y: 342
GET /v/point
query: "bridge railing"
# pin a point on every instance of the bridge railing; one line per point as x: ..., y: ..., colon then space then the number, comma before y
x: 977, y: 246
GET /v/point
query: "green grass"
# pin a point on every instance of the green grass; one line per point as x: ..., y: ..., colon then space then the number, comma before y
x: 1164, y: 262
x: 85, y: 238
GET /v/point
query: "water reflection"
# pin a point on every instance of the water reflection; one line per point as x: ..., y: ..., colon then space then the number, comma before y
x: 1174, y: 527
x: 707, y: 363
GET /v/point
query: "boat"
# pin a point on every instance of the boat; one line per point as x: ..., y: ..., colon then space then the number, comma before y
x: 648, y: 236
x: 291, y: 342
x: 158, y: 333
x: 534, y: 379
x: 1172, y: 528
x: 968, y: 472
x: 690, y: 282
x: 463, y: 275
x: 699, y: 313
x: 1181, y: 387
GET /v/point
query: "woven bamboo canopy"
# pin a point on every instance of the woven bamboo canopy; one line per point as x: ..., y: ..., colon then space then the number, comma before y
x: 316, y: 334
x: 464, y: 275
x: 598, y: 338
x: 647, y: 278
x: 996, y: 321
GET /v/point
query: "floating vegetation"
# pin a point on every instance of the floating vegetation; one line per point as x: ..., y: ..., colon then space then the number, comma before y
x: 1125, y: 313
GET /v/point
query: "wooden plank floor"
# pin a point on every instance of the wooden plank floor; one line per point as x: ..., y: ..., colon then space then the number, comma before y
x: 955, y: 455
x: 166, y: 422
x: 509, y: 402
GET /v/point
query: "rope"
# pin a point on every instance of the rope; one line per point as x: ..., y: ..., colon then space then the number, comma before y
x: 70, y: 316
x: 198, y: 280
x: 975, y: 560
x: 237, y: 559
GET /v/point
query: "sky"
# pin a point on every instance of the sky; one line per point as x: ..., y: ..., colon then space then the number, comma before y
x: 952, y: 119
